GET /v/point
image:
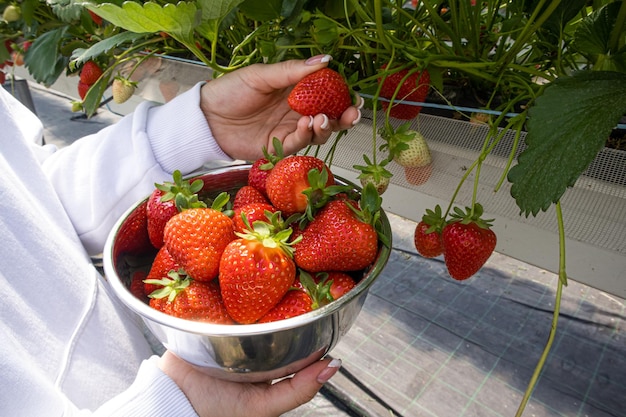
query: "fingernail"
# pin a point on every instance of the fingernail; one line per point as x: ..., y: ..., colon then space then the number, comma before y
x: 325, y: 124
x: 318, y: 59
x: 361, y: 102
x: 328, y: 372
x: 310, y: 126
x: 358, y: 119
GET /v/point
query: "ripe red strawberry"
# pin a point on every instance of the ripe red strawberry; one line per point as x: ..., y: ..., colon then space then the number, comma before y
x: 253, y: 212
x: 414, y: 88
x: 325, y: 91
x: 427, y: 235
x: 133, y: 235
x: 90, y: 73
x: 166, y: 200
x: 260, y: 169
x: 188, y: 299
x: 256, y: 271
x: 340, y: 283
x: 96, y: 19
x: 292, y: 189
x: 122, y: 89
x: 468, y: 242
x: 295, y: 303
x: 137, y: 285
x: 196, y: 239
x: 82, y: 89
x: 339, y: 238
x: 247, y: 195
x: 162, y: 265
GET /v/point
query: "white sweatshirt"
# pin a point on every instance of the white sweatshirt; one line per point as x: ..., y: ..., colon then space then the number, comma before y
x: 67, y: 345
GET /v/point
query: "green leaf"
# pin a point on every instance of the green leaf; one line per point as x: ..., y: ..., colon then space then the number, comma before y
x: 567, y: 127
x: 179, y: 20
x: 212, y: 10
x: 594, y: 32
x: 262, y: 10
x: 42, y: 59
x: 83, y: 55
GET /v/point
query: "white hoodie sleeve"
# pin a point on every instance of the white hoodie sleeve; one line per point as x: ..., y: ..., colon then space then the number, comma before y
x: 100, y: 176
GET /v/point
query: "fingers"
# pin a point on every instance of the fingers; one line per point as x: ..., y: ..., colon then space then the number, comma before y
x: 287, y: 73
x: 293, y: 392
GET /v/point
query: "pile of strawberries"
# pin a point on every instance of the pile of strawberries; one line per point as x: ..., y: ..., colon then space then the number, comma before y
x: 289, y: 241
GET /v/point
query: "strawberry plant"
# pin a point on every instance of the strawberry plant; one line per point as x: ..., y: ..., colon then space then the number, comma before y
x: 554, y: 69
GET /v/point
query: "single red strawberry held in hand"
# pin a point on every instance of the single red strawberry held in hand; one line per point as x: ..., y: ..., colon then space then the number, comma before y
x: 414, y: 88
x: 324, y: 91
x: 183, y: 297
x: 427, y: 235
x: 197, y: 237
x: 256, y: 271
x: 468, y: 242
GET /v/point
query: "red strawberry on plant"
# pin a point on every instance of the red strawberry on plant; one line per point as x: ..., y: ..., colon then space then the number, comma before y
x: 325, y: 91
x: 427, y: 236
x: 196, y: 238
x: 342, y: 236
x: 412, y: 88
x: 90, y: 73
x: 82, y: 89
x: 256, y: 271
x: 468, y: 242
x: 166, y: 200
x: 96, y: 19
x: 186, y: 298
x: 260, y: 169
x: 300, y: 184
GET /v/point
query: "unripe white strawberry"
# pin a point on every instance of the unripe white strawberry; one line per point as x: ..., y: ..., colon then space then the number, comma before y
x: 123, y: 89
x: 11, y: 13
x: 416, y: 155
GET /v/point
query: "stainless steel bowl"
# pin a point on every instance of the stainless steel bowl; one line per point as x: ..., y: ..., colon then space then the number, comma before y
x: 245, y: 353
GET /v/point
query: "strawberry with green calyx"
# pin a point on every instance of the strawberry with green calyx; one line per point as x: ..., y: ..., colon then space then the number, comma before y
x: 322, y: 92
x: 248, y: 214
x: 295, y: 303
x: 427, y: 236
x: 161, y: 266
x: 90, y: 73
x: 326, y: 287
x: 406, y: 147
x: 122, y: 89
x: 375, y: 174
x: 196, y: 238
x: 468, y: 242
x: 180, y: 296
x: 405, y: 85
x: 256, y: 270
x: 342, y: 236
x: 291, y: 176
x: 260, y: 169
x: 169, y: 198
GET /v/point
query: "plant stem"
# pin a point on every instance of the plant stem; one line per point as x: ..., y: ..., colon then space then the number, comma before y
x: 555, y: 316
x: 617, y: 29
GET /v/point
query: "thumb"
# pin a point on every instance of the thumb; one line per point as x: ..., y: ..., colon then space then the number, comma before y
x: 302, y: 387
x: 287, y: 73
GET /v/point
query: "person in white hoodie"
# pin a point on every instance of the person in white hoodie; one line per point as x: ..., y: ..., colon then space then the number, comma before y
x: 67, y: 346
